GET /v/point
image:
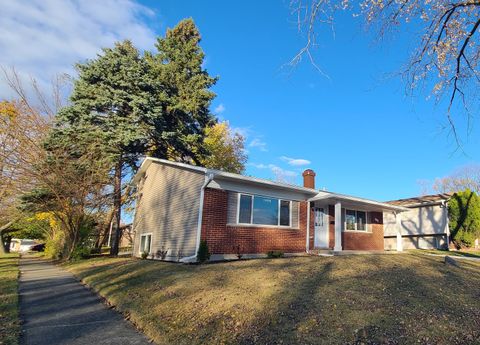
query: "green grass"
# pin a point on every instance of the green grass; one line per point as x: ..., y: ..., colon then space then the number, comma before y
x: 9, y: 319
x: 467, y: 253
x: 385, y: 299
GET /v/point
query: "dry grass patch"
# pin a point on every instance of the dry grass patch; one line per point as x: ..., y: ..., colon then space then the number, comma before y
x: 9, y: 321
x: 386, y: 299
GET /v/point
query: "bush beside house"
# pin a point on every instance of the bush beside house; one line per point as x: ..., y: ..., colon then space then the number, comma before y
x: 464, y: 218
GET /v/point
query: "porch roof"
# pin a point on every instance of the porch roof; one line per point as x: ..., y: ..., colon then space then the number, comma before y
x: 352, y: 201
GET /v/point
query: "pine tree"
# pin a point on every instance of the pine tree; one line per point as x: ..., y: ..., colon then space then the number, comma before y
x: 184, y: 94
x: 115, y: 95
x: 157, y: 104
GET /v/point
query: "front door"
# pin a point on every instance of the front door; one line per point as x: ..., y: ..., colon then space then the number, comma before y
x: 321, y: 228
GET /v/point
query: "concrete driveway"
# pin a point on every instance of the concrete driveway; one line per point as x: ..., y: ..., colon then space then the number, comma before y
x: 56, y: 309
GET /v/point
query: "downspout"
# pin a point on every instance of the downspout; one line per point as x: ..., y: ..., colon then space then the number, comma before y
x: 208, y: 178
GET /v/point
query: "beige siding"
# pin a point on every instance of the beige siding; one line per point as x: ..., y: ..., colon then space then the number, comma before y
x: 295, y: 213
x: 233, y: 205
x: 418, y: 221
x: 167, y: 206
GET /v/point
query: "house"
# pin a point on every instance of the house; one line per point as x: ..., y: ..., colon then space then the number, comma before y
x: 423, y: 226
x: 178, y: 205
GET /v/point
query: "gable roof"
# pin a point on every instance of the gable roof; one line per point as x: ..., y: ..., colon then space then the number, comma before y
x: 423, y: 200
x: 225, y: 175
x: 313, y: 194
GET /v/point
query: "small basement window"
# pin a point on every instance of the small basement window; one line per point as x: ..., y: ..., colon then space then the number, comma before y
x: 145, y: 243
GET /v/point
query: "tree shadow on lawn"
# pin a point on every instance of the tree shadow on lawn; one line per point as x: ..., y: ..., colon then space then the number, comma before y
x: 370, y: 299
x: 385, y: 304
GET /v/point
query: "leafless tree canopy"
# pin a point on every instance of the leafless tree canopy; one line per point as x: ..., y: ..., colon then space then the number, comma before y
x: 446, y: 58
x: 467, y: 177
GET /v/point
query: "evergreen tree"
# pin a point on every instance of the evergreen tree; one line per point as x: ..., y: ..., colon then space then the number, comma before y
x: 115, y: 95
x: 464, y: 217
x: 156, y: 105
x: 184, y: 94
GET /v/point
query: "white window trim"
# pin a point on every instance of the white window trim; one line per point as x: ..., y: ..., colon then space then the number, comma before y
x: 251, y: 224
x: 140, y: 251
x: 367, y: 224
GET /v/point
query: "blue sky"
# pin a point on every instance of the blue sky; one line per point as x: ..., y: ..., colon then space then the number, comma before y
x: 359, y: 130
x: 356, y: 128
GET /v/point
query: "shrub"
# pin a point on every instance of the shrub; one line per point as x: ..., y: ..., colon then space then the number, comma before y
x: 80, y: 253
x: 275, y: 254
x: 464, y: 218
x: 203, y: 252
x: 95, y: 251
x: 54, y: 246
x: 145, y: 255
x: 464, y: 239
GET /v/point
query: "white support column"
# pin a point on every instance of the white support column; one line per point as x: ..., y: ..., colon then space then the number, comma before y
x: 447, y: 226
x: 308, y: 226
x: 338, y: 227
x: 398, y: 227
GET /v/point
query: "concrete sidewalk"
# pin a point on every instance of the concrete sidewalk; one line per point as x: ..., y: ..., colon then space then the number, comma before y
x: 56, y: 309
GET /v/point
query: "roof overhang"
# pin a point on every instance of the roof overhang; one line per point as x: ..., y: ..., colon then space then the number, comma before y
x: 217, y: 174
x: 352, y: 201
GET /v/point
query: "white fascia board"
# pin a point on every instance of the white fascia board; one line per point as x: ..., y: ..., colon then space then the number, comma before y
x: 335, y: 196
x: 222, y: 174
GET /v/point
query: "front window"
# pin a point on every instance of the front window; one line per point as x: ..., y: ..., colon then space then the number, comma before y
x: 265, y: 211
x: 262, y: 210
x: 145, y: 243
x: 355, y: 220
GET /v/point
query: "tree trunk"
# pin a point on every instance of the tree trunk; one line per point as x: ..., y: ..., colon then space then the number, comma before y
x: 117, y: 204
x: 3, y: 247
x: 3, y: 230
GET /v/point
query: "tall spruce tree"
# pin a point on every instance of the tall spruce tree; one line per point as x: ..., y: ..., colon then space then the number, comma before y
x: 184, y: 94
x: 157, y: 104
x: 115, y: 94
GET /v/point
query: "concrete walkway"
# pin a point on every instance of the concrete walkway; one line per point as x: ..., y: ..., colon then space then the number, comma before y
x: 56, y: 309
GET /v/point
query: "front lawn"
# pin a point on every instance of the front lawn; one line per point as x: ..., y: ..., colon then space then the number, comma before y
x: 389, y: 299
x: 467, y: 253
x: 9, y: 321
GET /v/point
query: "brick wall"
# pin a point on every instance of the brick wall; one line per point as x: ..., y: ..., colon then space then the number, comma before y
x: 331, y: 226
x: 223, y: 238
x: 366, y: 241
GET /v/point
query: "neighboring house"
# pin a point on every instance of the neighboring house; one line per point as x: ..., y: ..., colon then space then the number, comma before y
x: 424, y: 226
x: 180, y: 204
x: 126, y: 239
x: 22, y: 245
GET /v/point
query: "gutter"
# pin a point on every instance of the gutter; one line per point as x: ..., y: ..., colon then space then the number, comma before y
x: 208, y: 178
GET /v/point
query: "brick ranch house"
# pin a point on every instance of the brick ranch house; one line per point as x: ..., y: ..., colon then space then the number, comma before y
x: 178, y: 205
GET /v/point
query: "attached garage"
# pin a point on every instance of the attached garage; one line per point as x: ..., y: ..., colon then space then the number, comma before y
x: 424, y: 226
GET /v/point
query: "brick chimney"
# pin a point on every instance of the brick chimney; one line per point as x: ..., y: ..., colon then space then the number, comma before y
x: 309, y: 178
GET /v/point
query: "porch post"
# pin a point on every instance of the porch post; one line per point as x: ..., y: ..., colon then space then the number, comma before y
x: 447, y: 226
x: 338, y: 227
x: 308, y: 226
x: 398, y: 227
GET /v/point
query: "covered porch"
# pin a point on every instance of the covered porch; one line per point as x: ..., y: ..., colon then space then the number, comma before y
x: 337, y: 222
